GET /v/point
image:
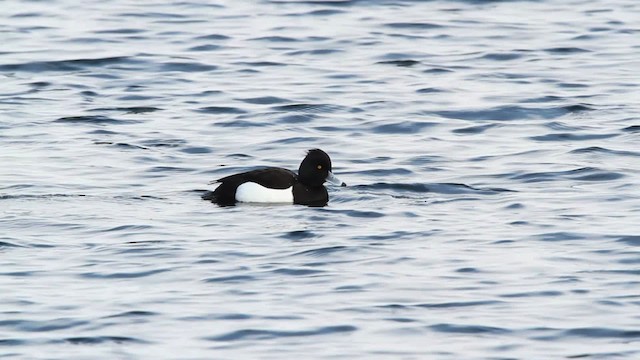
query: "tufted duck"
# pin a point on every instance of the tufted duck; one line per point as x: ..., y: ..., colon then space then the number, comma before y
x: 277, y: 185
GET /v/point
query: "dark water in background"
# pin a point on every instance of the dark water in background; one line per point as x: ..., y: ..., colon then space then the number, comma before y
x: 492, y: 148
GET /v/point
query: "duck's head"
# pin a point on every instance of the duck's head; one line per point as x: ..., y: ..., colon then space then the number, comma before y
x: 315, y: 169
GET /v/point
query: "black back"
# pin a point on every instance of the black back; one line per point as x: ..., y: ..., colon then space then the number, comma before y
x: 274, y: 178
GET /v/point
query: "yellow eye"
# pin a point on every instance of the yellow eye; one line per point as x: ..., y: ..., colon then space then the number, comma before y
x: 319, y: 167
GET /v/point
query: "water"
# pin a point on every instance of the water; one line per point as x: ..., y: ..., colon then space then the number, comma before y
x: 491, y: 148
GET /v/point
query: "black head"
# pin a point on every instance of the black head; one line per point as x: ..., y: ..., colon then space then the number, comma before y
x: 315, y: 168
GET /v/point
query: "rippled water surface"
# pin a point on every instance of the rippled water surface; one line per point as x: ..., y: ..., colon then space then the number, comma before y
x: 491, y: 148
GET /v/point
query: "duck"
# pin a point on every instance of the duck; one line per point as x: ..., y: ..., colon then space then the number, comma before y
x: 278, y: 185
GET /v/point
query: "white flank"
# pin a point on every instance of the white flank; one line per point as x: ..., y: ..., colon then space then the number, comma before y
x: 252, y: 192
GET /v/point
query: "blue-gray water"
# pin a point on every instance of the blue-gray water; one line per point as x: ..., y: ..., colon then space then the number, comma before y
x: 491, y: 148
